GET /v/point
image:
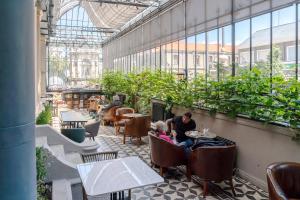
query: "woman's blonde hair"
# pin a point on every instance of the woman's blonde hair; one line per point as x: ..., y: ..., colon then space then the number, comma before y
x: 160, y: 125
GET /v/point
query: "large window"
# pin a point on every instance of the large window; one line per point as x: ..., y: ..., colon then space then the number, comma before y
x: 191, y: 48
x: 225, y: 52
x: 212, y: 54
x: 201, y: 54
x: 284, y: 43
x: 261, y: 34
x: 242, y: 46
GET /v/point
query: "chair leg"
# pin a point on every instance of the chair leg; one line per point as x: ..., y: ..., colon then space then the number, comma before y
x: 93, y: 138
x: 124, y: 138
x: 205, y: 189
x: 161, y: 171
x: 232, y: 187
x: 188, y: 173
x: 84, y: 196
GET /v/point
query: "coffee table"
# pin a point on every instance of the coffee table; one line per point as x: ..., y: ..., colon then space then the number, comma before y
x: 116, y: 175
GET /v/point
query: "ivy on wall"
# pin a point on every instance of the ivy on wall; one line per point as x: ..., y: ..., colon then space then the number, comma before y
x: 249, y: 93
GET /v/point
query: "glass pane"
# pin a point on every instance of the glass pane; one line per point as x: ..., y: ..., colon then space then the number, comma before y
x: 201, y: 54
x: 153, y: 54
x: 225, y: 52
x: 169, y: 57
x: 163, y: 57
x: 261, y: 43
x: 157, y: 57
x: 175, y: 57
x: 284, y: 42
x: 212, y: 55
x: 242, y: 46
x: 182, y: 57
x: 191, y: 48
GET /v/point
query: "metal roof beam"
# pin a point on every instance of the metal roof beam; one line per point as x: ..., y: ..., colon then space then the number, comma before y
x: 121, y: 2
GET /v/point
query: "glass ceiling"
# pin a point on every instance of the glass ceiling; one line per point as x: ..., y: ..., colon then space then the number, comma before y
x: 74, y: 32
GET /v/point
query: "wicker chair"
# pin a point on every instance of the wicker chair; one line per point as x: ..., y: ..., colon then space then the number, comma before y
x: 99, y: 156
x: 92, y: 129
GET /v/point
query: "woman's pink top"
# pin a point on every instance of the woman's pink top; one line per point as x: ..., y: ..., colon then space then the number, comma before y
x: 162, y: 135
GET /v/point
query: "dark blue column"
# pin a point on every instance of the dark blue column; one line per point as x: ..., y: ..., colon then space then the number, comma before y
x: 17, y: 152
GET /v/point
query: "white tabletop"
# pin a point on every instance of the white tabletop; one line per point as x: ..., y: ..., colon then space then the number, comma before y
x: 72, y: 116
x: 116, y: 175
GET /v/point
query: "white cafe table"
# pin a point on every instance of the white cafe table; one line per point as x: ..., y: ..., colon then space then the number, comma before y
x: 116, y: 175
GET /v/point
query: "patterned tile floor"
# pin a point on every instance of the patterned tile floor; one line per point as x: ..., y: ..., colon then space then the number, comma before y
x: 175, y: 186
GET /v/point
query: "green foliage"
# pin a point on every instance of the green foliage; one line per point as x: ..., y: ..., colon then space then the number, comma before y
x: 45, y: 117
x: 250, y: 94
x: 40, y: 173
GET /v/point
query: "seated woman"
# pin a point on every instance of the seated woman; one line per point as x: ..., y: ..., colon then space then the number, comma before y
x: 161, y: 133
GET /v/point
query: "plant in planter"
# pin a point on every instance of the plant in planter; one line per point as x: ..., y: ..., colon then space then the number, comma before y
x: 45, y: 117
x: 41, y: 174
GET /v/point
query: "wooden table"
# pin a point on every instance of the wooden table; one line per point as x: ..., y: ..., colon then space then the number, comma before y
x: 109, y: 176
x: 72, y: 119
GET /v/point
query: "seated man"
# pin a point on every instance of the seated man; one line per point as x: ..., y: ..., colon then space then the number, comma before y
x: 179, y: 125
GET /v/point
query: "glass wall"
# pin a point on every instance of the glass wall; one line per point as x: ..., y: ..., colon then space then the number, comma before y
x: 267, y: 42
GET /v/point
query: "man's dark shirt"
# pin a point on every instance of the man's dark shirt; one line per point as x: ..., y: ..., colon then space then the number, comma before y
x: 181, y: 128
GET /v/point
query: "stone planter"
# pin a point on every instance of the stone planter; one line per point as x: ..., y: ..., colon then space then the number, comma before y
x: 258, y: 144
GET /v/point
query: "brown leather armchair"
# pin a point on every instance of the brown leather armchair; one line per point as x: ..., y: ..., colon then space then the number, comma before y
x: 284, y: 181
x: 165, y: 154
x: 110, y: 115
x: 212, y: 164
x: 120, y: 120
x: 137, y: 127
